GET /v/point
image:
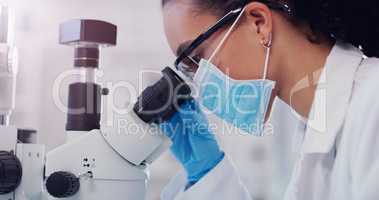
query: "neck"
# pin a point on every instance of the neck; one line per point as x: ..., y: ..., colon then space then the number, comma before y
x: 299, y: 75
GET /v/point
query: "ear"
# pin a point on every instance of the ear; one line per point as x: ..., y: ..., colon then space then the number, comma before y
x: 259, y: 16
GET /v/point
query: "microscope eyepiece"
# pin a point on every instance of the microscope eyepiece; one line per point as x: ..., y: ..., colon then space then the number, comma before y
x: 162, y: 100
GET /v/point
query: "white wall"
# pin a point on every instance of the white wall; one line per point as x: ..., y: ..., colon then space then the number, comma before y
x: 141, y: 45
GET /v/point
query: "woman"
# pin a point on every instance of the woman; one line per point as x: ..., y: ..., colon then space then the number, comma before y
x: 310, y: 54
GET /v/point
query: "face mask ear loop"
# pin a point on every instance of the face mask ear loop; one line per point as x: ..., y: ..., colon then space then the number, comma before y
x: 267, y: 59
x: 226, y: 36
x: 267, y: 47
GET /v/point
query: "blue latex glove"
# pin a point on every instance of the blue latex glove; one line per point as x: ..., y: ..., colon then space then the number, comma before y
x: 193, y: 143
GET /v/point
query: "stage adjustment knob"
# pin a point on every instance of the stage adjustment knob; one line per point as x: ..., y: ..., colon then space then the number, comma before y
x: 10, y: 172
x: 62, y: 184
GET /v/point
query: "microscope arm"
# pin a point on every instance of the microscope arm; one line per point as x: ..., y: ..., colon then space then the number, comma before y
x: 136, y: 141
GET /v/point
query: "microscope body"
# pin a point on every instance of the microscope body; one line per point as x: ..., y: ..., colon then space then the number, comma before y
x: 21, y: 159
x: 108, y: 161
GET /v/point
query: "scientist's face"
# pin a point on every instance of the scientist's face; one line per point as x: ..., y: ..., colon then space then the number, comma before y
x: 242, y: 55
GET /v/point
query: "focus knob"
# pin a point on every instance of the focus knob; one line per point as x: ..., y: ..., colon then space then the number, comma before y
x: 10, y: 172
x: 62, y: 184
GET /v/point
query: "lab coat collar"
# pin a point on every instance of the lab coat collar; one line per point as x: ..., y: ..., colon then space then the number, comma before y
x: 332, y: 98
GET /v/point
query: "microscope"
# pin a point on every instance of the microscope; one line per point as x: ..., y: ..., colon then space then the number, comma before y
x: 21, y: 159
x: 98, y: 160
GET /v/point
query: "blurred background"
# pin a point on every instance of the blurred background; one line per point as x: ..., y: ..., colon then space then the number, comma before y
x: 264, y: 163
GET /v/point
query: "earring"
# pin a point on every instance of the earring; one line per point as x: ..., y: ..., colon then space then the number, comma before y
x: 267, y: 44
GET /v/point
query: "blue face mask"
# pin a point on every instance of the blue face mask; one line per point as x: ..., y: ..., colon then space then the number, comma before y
x: 243, y: 103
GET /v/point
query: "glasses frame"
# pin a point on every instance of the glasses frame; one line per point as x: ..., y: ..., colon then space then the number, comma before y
x: 227, y: 19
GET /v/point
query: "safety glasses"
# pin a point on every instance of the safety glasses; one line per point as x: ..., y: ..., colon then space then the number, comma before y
x: 188, y: 63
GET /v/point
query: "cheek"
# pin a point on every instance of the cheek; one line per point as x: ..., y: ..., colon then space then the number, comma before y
x: 169, y: 30
x: 241, y: 60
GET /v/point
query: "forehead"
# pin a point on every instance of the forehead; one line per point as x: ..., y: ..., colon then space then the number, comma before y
x: 183, y: 22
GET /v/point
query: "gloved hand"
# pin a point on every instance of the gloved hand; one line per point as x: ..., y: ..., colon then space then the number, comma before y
x: 193, y: 143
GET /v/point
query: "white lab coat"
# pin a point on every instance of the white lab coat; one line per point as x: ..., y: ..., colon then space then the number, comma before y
x: 339, y: 155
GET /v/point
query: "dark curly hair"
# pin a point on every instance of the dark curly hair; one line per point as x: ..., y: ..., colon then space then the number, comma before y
x: 355, y: 22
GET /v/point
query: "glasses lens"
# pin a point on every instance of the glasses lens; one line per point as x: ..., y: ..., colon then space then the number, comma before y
x: 188, y: 66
